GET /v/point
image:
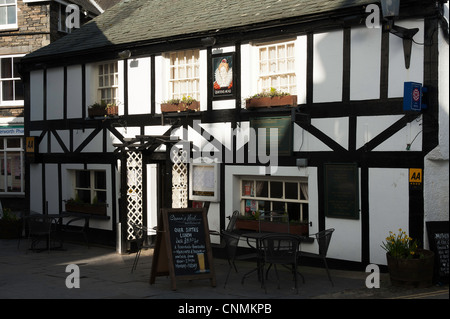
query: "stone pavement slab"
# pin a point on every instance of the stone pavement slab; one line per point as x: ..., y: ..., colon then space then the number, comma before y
x: 105, y: 274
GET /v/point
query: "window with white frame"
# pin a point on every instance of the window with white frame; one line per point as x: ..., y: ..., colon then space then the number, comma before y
x: 12, y: 165
x: 108, y: 83
x: 259, y: 195
x: 90, y: 186
x: 184, y: 79
x: 11, y: 87
x: 277, y: 67
x: 8, y: 14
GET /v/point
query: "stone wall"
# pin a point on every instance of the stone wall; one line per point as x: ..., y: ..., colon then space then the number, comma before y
x: 33, y: 31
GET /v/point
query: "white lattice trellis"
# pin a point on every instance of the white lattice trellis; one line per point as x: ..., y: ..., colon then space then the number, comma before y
x: 179, y: 179
x: 134, y: 191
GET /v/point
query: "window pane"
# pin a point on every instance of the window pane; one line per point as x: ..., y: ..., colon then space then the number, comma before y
x: 262, y: 189
x: 18, y: 90
x: 247, y: 188
x: 84, y: 195
x: 7, y: 88
x: 83, y: 179
x: 276, y: 189
x: 100, y: 180
x: 13, y: 142
x: 101, y: 196
x: 2, y: 15
x: 6, y: 68
x: 11, y: 14
x: 291, y: 190
x: 278, y: 206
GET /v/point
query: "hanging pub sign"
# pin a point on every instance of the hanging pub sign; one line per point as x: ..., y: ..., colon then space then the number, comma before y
x: 223, y: 71
x: 341, y: 191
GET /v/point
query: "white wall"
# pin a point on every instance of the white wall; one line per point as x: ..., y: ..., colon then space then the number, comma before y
x: 139, y: 92
x: 388, y: 207
x: 55, y: 93
x: 365, y: 62
x: 74, y: 91
x: 328, y: 66
x: 37, y: 95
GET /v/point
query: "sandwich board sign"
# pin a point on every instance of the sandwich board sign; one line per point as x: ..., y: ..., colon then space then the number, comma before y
x: 183, y: 247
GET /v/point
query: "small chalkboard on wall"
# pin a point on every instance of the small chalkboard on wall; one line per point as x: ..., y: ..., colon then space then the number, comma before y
x: 438, y: 239
x: 183, y: 248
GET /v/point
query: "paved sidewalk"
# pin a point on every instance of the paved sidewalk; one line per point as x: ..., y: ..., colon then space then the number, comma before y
x: 104, y: 274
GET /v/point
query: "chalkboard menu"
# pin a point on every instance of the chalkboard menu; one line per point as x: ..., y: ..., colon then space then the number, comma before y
x: 185, y: 250
x: 438, y: 239
x: 341, y: 191
x: 187, y: 239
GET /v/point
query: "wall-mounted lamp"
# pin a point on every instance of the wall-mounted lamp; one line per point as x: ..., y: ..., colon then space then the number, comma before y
x: 208, y: 41
x: 124, y: 54
x: 391, y: 9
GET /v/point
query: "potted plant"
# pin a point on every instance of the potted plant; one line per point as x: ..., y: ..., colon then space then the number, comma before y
x: 102, y: 109
x: 408, y: 265
x: 10, y: 225
x: 180, y: 105
x: 112, y: 110
x: 271, y: 98
x: 78, y: 206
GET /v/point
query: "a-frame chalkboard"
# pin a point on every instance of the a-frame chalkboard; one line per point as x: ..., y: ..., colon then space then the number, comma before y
x: 183, y: 248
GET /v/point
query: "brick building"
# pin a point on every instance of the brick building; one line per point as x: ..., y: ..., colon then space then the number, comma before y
x: 25, y: 26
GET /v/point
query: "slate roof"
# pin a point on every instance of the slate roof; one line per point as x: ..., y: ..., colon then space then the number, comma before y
x: 133, y: 21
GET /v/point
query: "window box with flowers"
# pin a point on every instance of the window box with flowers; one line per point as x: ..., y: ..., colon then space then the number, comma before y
x: 180, y: 105
x: 78, y: 206
x: 408, y: 265
x: 272, y: 98
x: 102, y: 109
x: 254, y: 223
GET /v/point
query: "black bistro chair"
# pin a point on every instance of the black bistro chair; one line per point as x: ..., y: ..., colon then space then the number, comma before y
x: 141, y: 239
x: 231, y: 241
x: 323, y: 239
x: 279, y: 249
x: 39, y: 228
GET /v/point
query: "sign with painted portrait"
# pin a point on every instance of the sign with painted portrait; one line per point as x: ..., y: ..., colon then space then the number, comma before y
x: 223, y: 76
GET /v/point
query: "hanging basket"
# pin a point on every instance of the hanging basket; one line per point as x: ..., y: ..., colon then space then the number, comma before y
x: 415, y: 272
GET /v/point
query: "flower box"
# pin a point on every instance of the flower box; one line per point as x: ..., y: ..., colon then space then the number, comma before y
x: 287, y: 100
x: 96, y: 112
x: 180, y: 107
x: 99, y: 209
x: 273, y: 227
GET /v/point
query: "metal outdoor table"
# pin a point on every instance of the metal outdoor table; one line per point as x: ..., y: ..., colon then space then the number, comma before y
x: 257, y: 237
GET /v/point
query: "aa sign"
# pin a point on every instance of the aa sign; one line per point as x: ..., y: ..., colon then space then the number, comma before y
x: 415, y: 176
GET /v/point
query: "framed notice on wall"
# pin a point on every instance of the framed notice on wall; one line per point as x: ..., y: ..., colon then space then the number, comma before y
x: 341, y: 191
x: 204, y: 182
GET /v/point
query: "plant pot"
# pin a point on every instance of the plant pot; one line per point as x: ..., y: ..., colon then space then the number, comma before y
x: 10, y: 229
x: 96, y: 112
x: 86, y: 208
x: 272, y: 227
x: 415, y: 272
x: 112, y: 110
x: 287, y: 100
x: 180, y: 107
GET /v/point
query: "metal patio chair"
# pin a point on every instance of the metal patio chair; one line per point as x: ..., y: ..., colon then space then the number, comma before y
x: 323, y: 239
x: 279, y: 249
x: 231, y: 241
x: 140, y: 238
x: 39, y: 227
